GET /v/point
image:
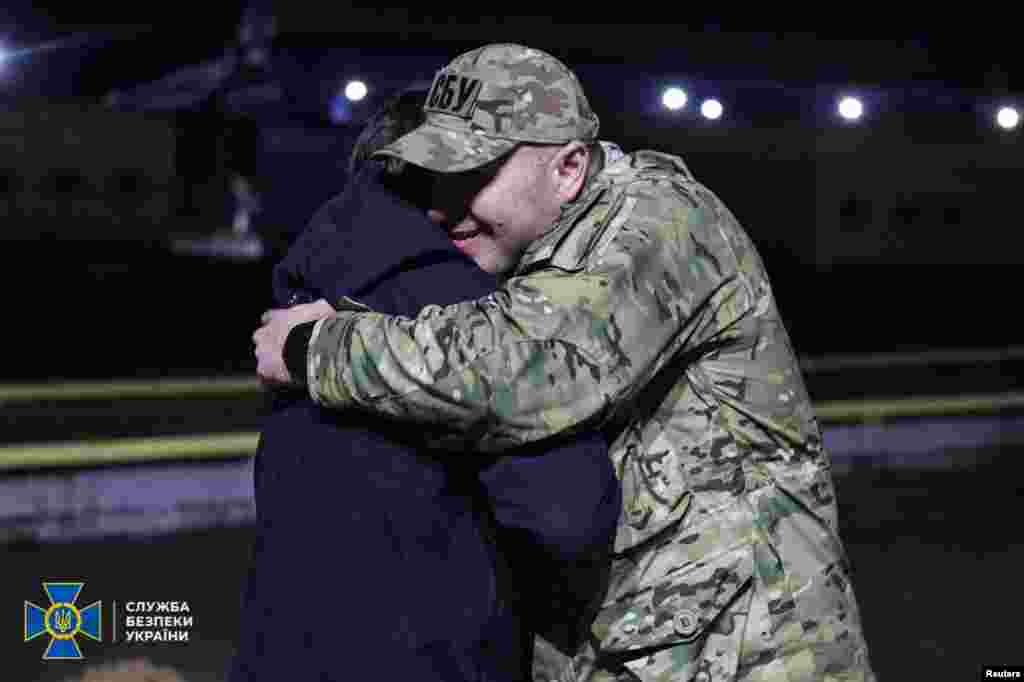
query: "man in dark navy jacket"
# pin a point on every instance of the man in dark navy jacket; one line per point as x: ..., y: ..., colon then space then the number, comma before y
x: 381, y: 561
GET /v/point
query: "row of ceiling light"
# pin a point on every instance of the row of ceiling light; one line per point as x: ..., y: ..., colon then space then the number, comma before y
x: 848, y: 107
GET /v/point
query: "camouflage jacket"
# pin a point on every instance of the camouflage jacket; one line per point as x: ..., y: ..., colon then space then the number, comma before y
x: 644, y: 311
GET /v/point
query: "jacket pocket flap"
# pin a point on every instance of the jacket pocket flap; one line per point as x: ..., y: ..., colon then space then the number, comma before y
x: 676, y: 609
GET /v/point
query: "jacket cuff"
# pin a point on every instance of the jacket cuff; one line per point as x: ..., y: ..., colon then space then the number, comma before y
x: 296, y: 350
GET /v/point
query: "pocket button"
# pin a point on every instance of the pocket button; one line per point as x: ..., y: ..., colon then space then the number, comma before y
x: 686, y: 623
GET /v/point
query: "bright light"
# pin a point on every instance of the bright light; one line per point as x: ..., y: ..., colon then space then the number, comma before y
x: 3, y: 56
x: 851, y: 108
x: 1008, y: 118
x: 711, y: 108
x: 355, y: 90
x: 674, y: 99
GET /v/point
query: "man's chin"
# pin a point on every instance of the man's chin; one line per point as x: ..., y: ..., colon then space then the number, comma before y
x: 479, y: 254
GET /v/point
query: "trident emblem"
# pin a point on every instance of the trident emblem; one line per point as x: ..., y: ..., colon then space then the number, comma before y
x: 62, y: 618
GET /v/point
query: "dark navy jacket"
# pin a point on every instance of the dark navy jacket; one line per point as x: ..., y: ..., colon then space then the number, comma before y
x: 376, y: 559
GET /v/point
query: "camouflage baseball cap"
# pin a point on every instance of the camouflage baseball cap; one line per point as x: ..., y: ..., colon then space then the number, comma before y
x: 489, y: 100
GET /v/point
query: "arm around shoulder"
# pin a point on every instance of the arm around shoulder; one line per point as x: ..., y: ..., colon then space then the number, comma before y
x: 550, y: 351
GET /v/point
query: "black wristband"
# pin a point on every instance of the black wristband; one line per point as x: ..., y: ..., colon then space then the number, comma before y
x: 296, y: 349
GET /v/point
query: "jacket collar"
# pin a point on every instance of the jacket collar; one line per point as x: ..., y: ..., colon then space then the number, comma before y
x: 621, y: 171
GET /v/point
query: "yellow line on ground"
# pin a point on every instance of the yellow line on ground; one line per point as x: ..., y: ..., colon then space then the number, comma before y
x: 123, y: 450
x: 928, y: 406
x: 220, y: 445
x: 130, y: 389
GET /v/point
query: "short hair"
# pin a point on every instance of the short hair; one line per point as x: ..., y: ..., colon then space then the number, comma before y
x: 398, y: 115
x: 594, y: 150
x: 597, y: 161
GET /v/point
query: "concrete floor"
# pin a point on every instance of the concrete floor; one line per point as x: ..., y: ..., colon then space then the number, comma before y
x: 936, y: 556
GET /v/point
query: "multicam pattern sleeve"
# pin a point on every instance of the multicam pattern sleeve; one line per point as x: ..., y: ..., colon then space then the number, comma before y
x: 647, y: 309
x: 601, y: 306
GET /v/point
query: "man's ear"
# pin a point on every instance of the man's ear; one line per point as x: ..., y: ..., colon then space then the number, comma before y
x: 569, y: 167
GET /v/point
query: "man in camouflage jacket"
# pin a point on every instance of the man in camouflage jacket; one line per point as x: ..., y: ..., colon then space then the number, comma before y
x: 642, y: 309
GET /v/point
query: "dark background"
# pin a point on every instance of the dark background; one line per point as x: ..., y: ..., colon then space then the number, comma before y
x: 937, y: 273
x: 897, y: 234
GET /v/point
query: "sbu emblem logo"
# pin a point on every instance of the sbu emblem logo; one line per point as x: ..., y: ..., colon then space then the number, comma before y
x: 63, y: 621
